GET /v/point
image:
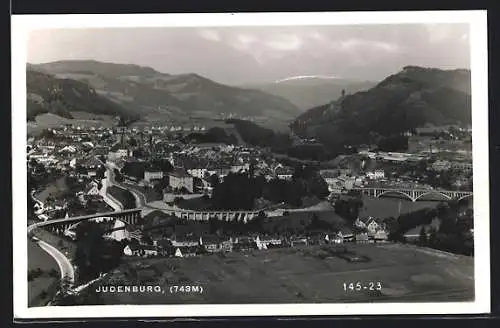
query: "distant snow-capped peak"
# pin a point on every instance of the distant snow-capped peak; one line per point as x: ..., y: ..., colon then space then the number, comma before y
x: 304, y: 77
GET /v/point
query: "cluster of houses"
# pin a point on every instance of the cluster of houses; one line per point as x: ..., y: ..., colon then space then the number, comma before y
x: 371, y: 230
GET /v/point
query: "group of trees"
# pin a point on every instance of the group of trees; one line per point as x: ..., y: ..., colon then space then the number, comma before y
x: 408, y: 221
x: 452, y: 235
x: 213, y: 135
x: 260, y: 224
x: 446, y: 179
x: 123, y: 196
x: 134, y: 169
x: 94, y: 254
x: 349, y: 208
x: 393, y: 143
x: 240, y: 190
x: 314, y: 152
x: 259, y: 136
x: 237, y: 191
x: 118, y: 175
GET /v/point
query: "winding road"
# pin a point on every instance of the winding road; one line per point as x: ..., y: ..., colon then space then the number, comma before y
x: 65, y: 266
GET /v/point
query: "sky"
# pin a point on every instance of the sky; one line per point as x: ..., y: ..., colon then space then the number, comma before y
x: 256, y: 54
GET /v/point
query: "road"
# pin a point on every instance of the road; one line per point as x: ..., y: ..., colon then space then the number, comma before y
x: 64, y: 264
x: 140, y: 198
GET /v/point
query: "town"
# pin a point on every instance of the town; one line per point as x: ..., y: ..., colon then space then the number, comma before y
x: 194, y: 198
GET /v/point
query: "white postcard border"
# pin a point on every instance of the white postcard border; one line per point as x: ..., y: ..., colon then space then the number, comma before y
x: 479, y: 78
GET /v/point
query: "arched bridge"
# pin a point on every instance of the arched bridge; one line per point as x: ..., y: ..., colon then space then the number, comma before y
x: 415, y: 194
x: 132, y: 216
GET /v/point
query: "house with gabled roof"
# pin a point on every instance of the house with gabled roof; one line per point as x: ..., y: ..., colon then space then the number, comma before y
x: 264, y: 242
x: 371, y: 224
x: 186, y: 251
x: 92, y: 189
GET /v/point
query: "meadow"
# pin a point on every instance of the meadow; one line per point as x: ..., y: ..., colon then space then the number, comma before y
x: 299, y: 275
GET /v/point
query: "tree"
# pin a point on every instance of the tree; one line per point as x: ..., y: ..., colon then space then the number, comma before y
x: 422, y: 237
x: 158, y: 187
x: 314, y: 223
x: 132, y: 142
x: 101, y: 172
x: 432, y: 237
x: 118, y: 176
x: 90, y: 244
x: 213, y: 224
x: 214, y: 180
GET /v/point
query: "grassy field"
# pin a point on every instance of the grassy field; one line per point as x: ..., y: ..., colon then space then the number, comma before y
x: 54, y: 189
x: 406, y: 274
x: 384, y: 207
x: 39, y: 259
x: 294, y: 219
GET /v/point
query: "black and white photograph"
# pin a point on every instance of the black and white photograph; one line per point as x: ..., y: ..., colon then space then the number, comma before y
x: 250, y: 164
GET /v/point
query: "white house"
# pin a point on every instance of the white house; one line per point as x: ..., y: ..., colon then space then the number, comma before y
x: 153, y: 175
x: 149, y: 250
x: 346, y: 234
x: 362, y: 238
x: 369, y: 223
x: 441, y: 165
x: 92, y: 189
x: 185, y: 242
x: 68, y: 149
x: 284, y: 172
x: 264, y: 242
x: 185, y: 251
x: 380, y: 235
x: 132, y: 250
x: 240, y: 168
x: 178, y: 253
x: 198, y: 172
x: 376, y: 175
x: 180, y: 179
x: 43, y: 217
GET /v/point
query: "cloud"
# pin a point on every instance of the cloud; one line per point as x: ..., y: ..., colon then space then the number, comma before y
x: 355, y: 45
x: 284, y: 42
x: 210, y: 35
x: 236, y: 55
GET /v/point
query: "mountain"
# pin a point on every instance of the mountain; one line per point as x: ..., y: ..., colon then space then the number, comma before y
x: 158, y: 96
x: 414, y: 97
x: 66, y: 97
x: 311, y: 91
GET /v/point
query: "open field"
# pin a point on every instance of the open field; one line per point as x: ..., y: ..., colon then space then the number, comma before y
x: 406, y: 274
x: 39, y: 259
x: 54, y: 189
x: 296, y: 219
x: 384, y: 207
x: 49, y: 120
